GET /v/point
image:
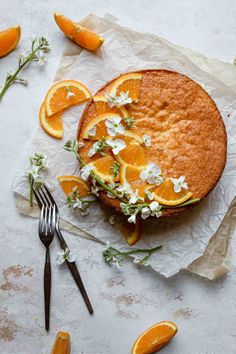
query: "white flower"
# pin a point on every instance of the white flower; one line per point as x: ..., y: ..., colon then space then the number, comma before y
x: 133, y: 197
x: 117, y: 145
x: 80, y: 144
x: 110, y: 195
x: 132, y: 219
x: 62, y: 256
x: 69, y: 93
x: 124, y: 189
x: 114, y: 127
x: 179, y: 183
x: 41, y: 58
x: 112, y: 185
x: 124, y: 99
x: 155, y: 209
x: 85, y: 172
x: 112, y: 220
x: 145, y: 212
x: 92, y: 131
x: 149, y: 194
x: 121, y: 100
x: 152, y: 174
x: 147, y: 140
x: 96, y: 147
x: 95, y: 190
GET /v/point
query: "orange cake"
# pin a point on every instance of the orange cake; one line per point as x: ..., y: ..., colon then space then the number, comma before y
x: 188, y: 136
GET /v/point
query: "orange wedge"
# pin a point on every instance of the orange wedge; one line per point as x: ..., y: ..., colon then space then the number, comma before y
x: 132, y: 232
x: 133, y: 154
x: 9, y: 39
x: 64, y: 94
x: 130, y: 174
x: 103, y: 167
x: 155, y: 338
x: 99, y: 123
x: 68, y: 183
x: 102, y: 107
x: 52, y: 125
x: 127, y: 83
x: 78, y: 34
x: 165, y: 194
x: 62, y: 344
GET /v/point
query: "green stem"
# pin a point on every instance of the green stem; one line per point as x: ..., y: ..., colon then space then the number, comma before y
x: 13, y: 77
x: 31, y: 182
x: 140, y: 250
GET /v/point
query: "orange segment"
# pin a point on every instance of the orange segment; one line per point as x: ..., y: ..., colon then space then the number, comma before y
x: 155, y: 338
x: 127, y: 83
x: 131, y: 175
x: 133, y: 154
x: 78, y: 34
x: 132, y: 232
x: 62, y: 343
x: 103, y: 167
x: 68, y: 183
x: 99, y: 124
x: 52, y: 125
x: 102, y: 106
x: 64, y: 94
x: 165, y: 194
x: 9, y: 39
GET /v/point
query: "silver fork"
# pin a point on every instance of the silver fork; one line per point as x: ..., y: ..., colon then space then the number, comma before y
x: 47, y: 225
x: 46, y: 198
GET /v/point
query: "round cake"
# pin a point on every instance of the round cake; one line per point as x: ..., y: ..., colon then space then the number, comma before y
x: 187, y: 131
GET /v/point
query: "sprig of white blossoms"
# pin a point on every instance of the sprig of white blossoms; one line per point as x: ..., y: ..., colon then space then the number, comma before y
x: 179, y: 184
x: 113, y: 256
x: 83, y: 204
x: 39, y: 164
x: 121, y: 100
x: 152, y: 174
x: 114, y: 126
x: 65, y: 255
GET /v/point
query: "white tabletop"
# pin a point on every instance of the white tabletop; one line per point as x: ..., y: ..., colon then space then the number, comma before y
x: 129, y: 300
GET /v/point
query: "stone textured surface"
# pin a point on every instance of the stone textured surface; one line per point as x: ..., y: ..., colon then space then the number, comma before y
x: 129, y: 300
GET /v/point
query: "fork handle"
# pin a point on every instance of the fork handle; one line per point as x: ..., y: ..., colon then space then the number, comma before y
x: 47, y: 288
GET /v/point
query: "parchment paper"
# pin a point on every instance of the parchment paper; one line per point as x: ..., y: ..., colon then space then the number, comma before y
x: 185, y: 239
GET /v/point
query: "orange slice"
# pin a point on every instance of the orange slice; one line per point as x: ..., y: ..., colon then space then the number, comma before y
x: 133, y: 154
x: 78, y: 34
x: 132, y: 232
x: 64, y: 94
x: 9, y: 39
x: 127, y: 83
x: 99, y: 123
x: 131, y: 175
x: 68, y: 183
x: 154, y: 338
x: 102, y: 107
x: 165, y: 194
x: 52, y: 125
x: 62, y: 343
x: 103, y: 167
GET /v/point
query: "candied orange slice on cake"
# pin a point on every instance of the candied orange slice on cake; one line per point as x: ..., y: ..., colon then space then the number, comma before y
x: 127, y: 83
x: 78, y: 34
x: 53, y: 124
x: 98, y: 125
x: 103, y: 167
x: 155, y: 338
x: 9, y: 39
x: 165, y: 194
x: 64, y: 94
x: 131, y: 174
x: 134, y: 153
x: 102, y: 106
x: 68, y: 183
